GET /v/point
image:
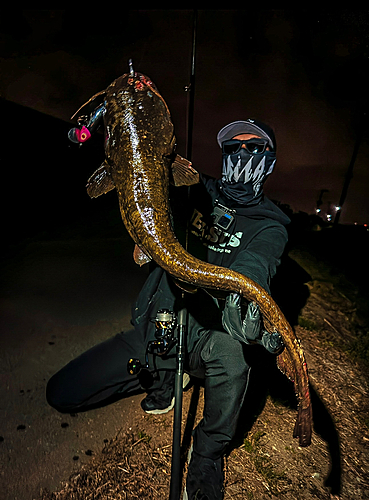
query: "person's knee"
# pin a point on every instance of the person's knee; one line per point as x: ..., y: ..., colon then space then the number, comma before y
x: 226, y: 353
x: 57, y: 395
x: 235, y: 367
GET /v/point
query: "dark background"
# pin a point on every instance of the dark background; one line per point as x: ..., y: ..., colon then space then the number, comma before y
x: 67, y: 277
x: 303, y: 71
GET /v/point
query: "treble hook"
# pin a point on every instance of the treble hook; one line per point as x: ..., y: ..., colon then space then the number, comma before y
x: 131, y: 71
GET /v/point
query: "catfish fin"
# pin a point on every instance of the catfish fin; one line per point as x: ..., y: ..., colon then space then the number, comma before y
x: 217, y: 294
x: 100, y: 182
x: 93, y: 98
x: 183, y: 172
x: 302, y: 429
x: 185, y: 286
x: 140, y: 256
x: 285, y: 365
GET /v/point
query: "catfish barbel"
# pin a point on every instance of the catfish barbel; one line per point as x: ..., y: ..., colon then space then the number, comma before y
x: 139, y: 148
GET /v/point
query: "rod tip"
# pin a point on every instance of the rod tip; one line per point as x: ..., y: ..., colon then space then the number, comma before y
x: 130, y: 64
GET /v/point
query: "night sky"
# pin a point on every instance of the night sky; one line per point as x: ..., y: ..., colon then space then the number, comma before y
x: 304, y: 72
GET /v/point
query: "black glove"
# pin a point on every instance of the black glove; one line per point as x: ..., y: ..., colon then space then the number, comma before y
x: 250, y: 330
x: 246, y: 330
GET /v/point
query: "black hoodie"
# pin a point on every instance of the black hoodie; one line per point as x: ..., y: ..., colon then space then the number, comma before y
x: 254, y: 242
x: 253, y: 246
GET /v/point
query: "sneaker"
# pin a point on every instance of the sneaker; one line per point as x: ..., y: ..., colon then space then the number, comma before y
x: 162, y: 400
x: 155, y: 405
x: 204, y: 479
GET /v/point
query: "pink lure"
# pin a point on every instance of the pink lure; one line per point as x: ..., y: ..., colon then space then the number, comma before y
x: 82, y: 135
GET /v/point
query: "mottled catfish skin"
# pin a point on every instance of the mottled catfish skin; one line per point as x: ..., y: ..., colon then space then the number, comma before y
x: 138, y: 150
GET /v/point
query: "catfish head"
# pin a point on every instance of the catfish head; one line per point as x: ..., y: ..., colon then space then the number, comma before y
x: 139, y: 145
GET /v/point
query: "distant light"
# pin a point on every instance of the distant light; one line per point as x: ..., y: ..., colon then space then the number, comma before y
x: 365, y: 225
x: 317, y: 210
x: 329, y: 218
x: 337, y: 208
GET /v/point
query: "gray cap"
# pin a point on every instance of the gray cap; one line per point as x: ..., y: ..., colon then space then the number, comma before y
x: 249, y: 126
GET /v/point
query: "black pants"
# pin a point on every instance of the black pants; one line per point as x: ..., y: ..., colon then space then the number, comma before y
x: 100, y: 375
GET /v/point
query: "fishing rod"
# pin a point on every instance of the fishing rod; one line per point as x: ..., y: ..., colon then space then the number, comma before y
x: 176, y: 473
x: 191, y: 93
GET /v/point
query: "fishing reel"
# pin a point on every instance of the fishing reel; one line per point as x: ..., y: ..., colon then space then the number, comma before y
x: 165, y: 325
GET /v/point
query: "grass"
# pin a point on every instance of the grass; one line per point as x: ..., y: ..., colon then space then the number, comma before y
x: 359, y: 348
x: 142, y: 436
x: 307, y: 323
x: 262, y: 462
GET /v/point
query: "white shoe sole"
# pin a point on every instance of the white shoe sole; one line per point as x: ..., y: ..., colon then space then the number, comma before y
x: 186, y: 381
x: 185, y: 496
x: 164, y: 410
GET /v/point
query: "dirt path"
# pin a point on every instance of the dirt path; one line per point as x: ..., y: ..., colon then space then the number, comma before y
x: 58, y: 298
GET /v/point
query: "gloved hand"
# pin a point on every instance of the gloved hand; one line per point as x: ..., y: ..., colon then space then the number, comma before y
x: 246, y: 330
x: 250, y: 330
